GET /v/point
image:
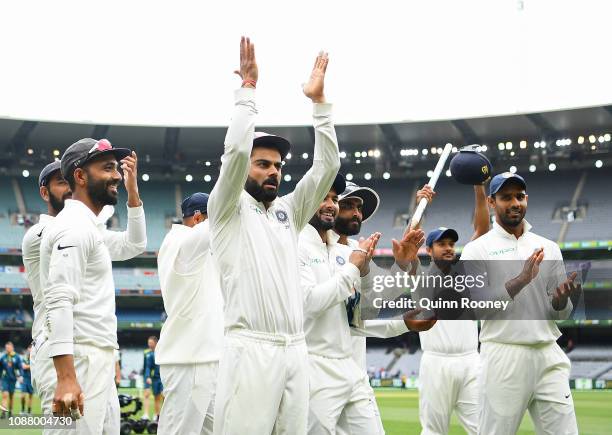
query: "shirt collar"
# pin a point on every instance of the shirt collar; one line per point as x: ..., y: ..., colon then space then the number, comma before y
x: 502, y: 232
x: 80, y: 207
x: 312, y: 234
x: 42, y: 218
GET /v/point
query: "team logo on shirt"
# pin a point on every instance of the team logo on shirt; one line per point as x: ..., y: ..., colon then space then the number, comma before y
x: 282, y: 217
x: 340, y: 260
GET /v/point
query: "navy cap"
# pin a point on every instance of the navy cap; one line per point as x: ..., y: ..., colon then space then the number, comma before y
x: 369, y: 198
x: 500, y: 179
x: 196, y: 202
x: 441, y: 233
x: 87, y: 149
x: 47, y: 171
x: 470, y: 167
x: 339, y: 184
x: 266, y: 140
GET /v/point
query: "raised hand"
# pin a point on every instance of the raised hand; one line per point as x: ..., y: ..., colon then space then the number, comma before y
x: 248, y: 65
x: 361, y: 257
x: 129, y: 166
x: 314, y: 88
x: 532, y: 266
x: 564, y: 291
x: 405, y: 251
x: 426, y: 192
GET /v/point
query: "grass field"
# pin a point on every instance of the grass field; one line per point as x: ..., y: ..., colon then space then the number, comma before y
x: 400, y: 414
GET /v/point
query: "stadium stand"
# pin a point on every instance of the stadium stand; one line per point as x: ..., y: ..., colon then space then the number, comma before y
x: 408, y: 363
x: 596, y: 196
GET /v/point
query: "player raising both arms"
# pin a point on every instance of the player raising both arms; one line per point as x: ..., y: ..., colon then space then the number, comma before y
x: 254, y: 239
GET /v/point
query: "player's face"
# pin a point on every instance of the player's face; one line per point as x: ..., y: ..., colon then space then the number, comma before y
x: 510, y: 204
x: 443, y: 250
x: 151, y: 343
x: 264, y: 174
x: 325, y: 217
x: 8, y: 347
x: 349, y: 218
x: 103, y: 180
x: 58, y: 191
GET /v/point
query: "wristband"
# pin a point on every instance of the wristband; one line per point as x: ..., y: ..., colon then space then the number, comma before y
x: 249, y: 82
x: 360, y: 250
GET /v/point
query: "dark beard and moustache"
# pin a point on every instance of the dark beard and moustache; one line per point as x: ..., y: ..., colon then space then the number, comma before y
x: 347, y: 227
x: 57, y: 204
x: 512, y: 222
x: 258, y: 192
x: 319, y: 224
x: 98, y: 192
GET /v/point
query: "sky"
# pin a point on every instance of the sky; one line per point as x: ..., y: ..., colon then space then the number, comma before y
x: 171, y: 63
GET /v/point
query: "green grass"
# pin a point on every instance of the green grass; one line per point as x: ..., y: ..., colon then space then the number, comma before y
x: 400, y: 412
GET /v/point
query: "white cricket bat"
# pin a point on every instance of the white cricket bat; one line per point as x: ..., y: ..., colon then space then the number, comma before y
x: 418, y: 214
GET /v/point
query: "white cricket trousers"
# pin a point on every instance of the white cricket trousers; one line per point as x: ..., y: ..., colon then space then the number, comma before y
x: 262, y: 387
x: 448, y: 383
x: 341, y: 398
x: 95, y: 370
x: 516, y: 378
x: 189, y: 398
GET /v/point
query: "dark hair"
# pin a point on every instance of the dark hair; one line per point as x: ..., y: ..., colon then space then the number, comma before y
x: 154, y: 338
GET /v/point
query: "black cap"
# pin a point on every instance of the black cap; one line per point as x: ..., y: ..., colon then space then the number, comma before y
x: 47, y: 171
x: 266, y: 140
x: 196, y: 202
x: 339, y: 184
x: 470, y: 167
x: 87, y: 149
x: 368, y: 197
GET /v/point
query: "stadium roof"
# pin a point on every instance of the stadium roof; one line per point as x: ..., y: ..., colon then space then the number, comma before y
x: 173, y: 150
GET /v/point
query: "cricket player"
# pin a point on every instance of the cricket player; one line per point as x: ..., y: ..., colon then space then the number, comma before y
x: 26, y: 384
x: 54, y: 190
x: 263, y: 373
x: 356, y: 205
x: 10, y: 368
x: 450, y: 365
x: 523, y: 368
x: 191, y: 340
x: 78, y: 288
x: 152, y: 379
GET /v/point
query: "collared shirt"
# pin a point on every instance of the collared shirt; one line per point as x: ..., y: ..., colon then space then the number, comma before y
x: 328, y: 279
x: 30, y: 250
x: 256, y: 249
x: 191, y: 289
x: 498, y: 244
x: 76, y: 275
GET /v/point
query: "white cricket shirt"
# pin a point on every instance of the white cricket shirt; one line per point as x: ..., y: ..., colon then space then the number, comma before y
x: 191, y: 289
x: 30, y: 250
x: 498, y: 244
x: 257, y: 249
x: 76, y: 275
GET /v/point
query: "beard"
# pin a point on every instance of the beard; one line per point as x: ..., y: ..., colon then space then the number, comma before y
x: 257, y: 191
x: 57, y: 204
x: 319, y: 224
x: 99, y: 193
x: 348, y: 227
x: 512, y: 221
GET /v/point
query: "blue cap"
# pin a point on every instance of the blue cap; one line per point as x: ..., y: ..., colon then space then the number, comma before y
x: 196, y: 202
x: 47, y: 171
x: 441, y: 233
x: 500, y: 179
